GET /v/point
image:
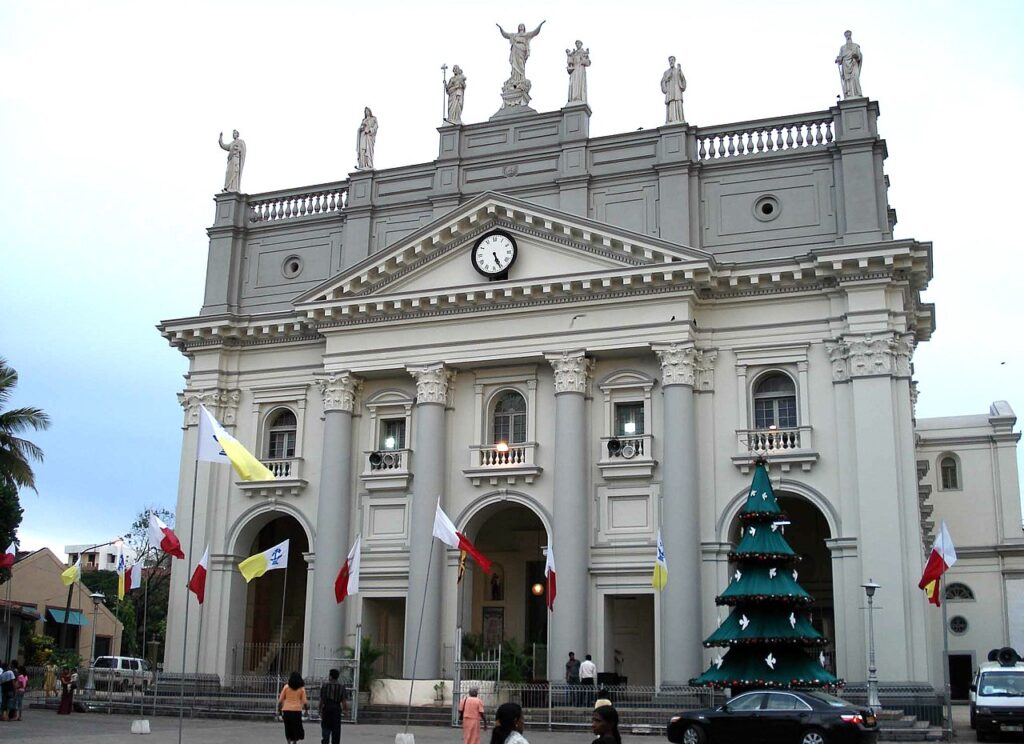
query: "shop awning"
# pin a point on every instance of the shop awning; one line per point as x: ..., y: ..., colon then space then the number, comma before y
x: 76, y: 617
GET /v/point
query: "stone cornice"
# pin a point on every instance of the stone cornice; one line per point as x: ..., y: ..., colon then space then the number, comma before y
x: 339, y: 390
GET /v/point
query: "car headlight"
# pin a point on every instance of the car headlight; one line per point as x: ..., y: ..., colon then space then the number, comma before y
x: 673, y: 719
x: 984, y: 711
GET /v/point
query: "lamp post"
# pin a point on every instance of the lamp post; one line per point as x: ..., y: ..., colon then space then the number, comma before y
x: 97, y: 598
x: 869, y: 589
x: 67, y: 608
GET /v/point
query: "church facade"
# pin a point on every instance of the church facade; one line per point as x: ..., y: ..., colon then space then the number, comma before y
x: 573, y: 343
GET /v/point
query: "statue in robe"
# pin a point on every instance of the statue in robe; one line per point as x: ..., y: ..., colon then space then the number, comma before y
x: 673, y: 83
x: 365, y: 140
x: 576, y: 62
x: 456, y: 88
x: 850, y: 60
x: 519, y: 50
x: 236, y: 161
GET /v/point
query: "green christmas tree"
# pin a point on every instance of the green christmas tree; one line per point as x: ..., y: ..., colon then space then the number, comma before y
x: 768, y: 634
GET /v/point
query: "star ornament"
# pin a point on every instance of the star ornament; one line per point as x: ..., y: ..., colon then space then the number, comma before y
x: 795, y: 574
x: 821, y: 659
x: 770, y: 660
x: 753, y: 492
x: 753, y: 531
x: 764, y: 496
x: 792, y: 620
x: 774, y: 527
x: 772, y: 572
x: 718, y: 662
x: 744, y: 622
x: 737, y: 576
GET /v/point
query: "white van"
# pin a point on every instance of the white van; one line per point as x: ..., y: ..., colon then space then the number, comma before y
x: 997, y: 696
x: 121, y: 673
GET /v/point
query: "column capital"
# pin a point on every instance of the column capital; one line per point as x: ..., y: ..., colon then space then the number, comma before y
x: 434, y: 383
x: 871, y: 355
x: 572, y: 370
x: 339, y: 390
x: 221, y: 402
x: 682, y: 363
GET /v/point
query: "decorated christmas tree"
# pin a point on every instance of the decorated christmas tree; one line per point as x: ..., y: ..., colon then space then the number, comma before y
x: 768, y: 636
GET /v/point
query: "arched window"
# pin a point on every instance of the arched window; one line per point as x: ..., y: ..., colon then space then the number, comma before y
x: 281, y: 439
x: 950, y: 473
x: 957, y: 592
x: 775, y: 402
x: 510, y: 418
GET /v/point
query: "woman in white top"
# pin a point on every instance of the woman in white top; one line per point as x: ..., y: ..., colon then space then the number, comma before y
x: 508, y: 725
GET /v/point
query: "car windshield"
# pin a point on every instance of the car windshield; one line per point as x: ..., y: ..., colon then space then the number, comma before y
x: 103, y: 662
x: 830, y: 700
x: 1001, y: 684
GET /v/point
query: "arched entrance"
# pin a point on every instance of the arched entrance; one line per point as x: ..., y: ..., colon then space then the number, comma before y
x: 807, y: 534
x: 508, y: 605
x: 275, y: 604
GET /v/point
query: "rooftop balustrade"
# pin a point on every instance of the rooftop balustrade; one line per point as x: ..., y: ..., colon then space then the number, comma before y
x: 780, y: 134
x: 289, y: 204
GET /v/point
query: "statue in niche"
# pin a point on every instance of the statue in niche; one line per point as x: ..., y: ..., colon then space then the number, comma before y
x: 456, y: 88
x: 576, y: 63
x: 497, y: 591
x: 365, y: 140
x: 516, y: 90
x: 850, y: 61
x: 673, y: 84
x: 236, y: 161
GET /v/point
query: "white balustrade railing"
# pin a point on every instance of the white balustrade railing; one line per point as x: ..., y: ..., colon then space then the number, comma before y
x: 770, y: 135
x: 387, y: 461
x: 502, y: 456
x: 286, y: 467
x: 287, y: 205
x: 776, y: 441
x: 627, y: 448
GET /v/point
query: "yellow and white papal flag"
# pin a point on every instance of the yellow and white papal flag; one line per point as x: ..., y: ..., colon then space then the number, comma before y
x: 660, y: 577
x: 216, y: 445
x: 269, y: 560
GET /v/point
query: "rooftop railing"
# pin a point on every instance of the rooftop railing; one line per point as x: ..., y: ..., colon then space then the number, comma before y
x: 293, y: 203
x: 780, y: 134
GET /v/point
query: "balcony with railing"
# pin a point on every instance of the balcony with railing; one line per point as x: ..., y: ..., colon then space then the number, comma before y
x: 499, y: 462
x: 387, y: 469
x: 784, y: 446
x: 287, y: 479
x: 627, y: 456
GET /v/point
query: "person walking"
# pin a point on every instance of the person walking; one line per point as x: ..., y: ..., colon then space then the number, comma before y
x: 605, y: 723
x: 7, y: 677
x: 588, y: 672
x: 20, y: 688
x: 471, y: 716
x: 508, y: 725
x: 290, y: 704
x: 50, y: 679
x: 333, y: 701
x: 67, y: 693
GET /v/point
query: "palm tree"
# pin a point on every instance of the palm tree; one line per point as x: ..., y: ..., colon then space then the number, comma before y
x: 15, y: 452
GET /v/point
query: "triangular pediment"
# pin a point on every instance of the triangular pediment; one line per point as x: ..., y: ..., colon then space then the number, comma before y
x: 553, y: 247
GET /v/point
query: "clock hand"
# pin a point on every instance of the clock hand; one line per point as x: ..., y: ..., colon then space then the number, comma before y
x: 496, y: 259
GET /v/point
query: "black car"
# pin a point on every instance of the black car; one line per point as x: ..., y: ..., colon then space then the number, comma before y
x: 776, y: 717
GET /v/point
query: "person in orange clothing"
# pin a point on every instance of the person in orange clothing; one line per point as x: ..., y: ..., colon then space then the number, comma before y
x: 290, y: 704
x: 471, y: 714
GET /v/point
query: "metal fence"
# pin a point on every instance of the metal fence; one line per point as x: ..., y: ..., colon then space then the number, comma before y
x: 266, y: 658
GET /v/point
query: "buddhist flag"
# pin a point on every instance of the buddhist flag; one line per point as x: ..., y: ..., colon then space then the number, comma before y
x: 197, y: 584
x: 121, y: 569
x: 135, y: 576
x: 444, y: 530
x: 73, y: 574
x: 8, y: 556
x: 549, y: 575
x: 462, y: 565
x: 348, y: 578
x: 163, y: 537
x: 942, y: 558
x: 660, y: 577
x: 269, y: 560
x: 216, y: 445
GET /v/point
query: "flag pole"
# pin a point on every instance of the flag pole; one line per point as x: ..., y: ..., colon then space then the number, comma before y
x: 145, y: 618
x: 280, y: 628
x: 419, y: 628
x: 188, y: 575
x: 945, y: 655
x: 10, y: 630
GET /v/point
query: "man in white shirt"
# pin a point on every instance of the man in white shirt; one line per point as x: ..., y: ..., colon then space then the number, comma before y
x: 588, y: 672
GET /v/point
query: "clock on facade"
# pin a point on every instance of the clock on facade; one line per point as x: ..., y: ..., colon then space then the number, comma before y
x: 494, y: 253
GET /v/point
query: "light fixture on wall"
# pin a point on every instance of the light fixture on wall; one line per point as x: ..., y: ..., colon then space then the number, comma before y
x: 629, y: 427
x: 389, y: 443
x: 501, y: 446
x: 537, y: 589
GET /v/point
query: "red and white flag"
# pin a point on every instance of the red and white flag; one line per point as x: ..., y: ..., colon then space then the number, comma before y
x: 942, y: 558
x: 163, y: 537
x: 549, y: 575
x: 8, y: 556
x: 197, y: 584
x: 444, y: 530
x: 135, y: 576
x: 348, y: 578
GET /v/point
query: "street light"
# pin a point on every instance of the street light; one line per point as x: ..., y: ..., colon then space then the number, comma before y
x: 71, y: 589
x: 97, y: 598
x: 869, y: 589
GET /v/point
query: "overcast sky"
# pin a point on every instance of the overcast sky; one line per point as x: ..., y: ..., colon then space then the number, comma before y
x: 109, y: 116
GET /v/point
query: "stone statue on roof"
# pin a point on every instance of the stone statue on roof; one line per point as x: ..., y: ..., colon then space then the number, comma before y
x: 673, y: 84
x: 850, y: 61
x: 236, y: 161
x: 576, y: 62
x: 516, y: 90
x: 456, y: 89
x: 366, y: 138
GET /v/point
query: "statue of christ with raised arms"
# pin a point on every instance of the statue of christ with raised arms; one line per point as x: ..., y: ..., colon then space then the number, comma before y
x: 519, y: 51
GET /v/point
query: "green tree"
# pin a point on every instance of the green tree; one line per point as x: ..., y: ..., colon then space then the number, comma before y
x: 17, y: 453
x: 156, y: 579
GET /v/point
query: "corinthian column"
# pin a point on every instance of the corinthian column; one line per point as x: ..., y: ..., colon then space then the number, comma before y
x: 567, y: 625
x: 433, y: 396
x: 333, y: 508
x: 681, y: 656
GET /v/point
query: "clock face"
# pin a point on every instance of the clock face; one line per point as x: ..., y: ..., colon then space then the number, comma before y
x: 494, y: 253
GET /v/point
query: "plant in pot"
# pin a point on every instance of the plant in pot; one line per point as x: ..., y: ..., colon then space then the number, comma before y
x: 368, y: 656
x: 515, y: 666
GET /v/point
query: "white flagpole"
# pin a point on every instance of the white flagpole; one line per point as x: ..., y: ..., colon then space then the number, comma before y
x: 945, y: 655
x: 188, y: 575
x: 280, y: 628
x: 419, y: 628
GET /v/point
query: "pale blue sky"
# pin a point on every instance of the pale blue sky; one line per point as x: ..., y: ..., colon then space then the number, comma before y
x: 109, y: 115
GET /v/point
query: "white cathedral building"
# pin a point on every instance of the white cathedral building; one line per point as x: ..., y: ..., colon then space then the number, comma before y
x: 574, y: 342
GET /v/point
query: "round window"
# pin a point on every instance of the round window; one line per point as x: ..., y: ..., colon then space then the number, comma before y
x: 958, y: 625
x: 766, y: 208
x: 291, y: 267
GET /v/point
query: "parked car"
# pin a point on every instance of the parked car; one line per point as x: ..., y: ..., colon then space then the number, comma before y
x: 777, y: 717
x: 997, y: 696
x: 121, y: 673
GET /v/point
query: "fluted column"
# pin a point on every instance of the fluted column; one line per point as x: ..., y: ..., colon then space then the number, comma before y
x: 433, y: 396
x: 333, y: 509
x: 681, y: 628
x: 568, y: 624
